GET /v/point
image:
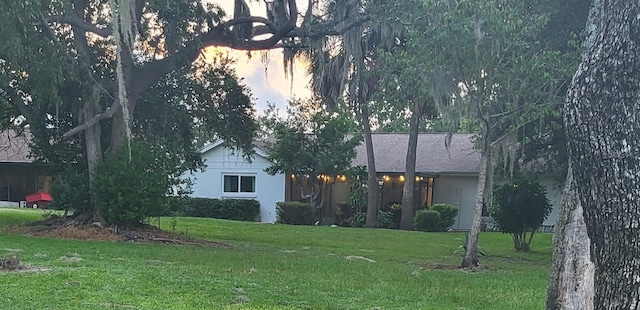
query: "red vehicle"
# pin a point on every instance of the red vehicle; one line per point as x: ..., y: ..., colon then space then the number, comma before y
x: 38, y: 200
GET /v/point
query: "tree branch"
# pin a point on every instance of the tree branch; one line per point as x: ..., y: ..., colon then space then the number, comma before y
x: 94, y: 120
x: 76, y: 21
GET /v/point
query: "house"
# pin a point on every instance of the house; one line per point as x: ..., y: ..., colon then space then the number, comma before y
x: 230, y: 175
x: 19, y: 174
x: 443, y: 175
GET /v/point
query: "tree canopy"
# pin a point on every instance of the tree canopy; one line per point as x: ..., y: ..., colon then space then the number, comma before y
x: 312, y: 145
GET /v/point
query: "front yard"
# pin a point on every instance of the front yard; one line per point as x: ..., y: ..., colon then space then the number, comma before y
x: 270, y: 267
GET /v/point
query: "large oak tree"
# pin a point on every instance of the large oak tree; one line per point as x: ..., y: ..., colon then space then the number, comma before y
x: 102, y: 55
x: 603, y: 131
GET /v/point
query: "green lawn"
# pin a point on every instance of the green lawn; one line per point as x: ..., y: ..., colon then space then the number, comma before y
x: 270, y: 267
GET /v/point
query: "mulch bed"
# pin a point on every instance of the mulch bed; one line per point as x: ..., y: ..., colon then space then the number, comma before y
x: 65, y: 228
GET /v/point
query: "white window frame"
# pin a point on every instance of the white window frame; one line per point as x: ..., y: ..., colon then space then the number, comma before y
x: 239, y: 193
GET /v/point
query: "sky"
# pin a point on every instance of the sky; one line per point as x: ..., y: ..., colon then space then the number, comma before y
x: 268, y: 83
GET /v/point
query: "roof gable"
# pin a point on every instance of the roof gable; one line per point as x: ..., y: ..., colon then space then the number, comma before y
x: 258, y: 147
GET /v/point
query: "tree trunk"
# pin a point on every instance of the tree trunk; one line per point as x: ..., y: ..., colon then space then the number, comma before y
x: 372, y: 182
x: 408, y: 191
x: 571, y: 279
x: 603, y: 130
x: 93, y: 148
x: 470, y: 259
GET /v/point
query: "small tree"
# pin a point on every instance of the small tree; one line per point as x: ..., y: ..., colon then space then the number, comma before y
x: 312, y: 145
x: 519, y: 208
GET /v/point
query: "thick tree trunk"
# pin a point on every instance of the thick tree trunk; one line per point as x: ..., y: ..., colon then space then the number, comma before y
x: 603, y: 129
x: 372, y: 182
x: 571, y: 279
x: 470, y: 259
x: 408, y: 197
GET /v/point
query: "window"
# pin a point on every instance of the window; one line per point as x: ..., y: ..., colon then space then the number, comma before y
x: 239, y: 183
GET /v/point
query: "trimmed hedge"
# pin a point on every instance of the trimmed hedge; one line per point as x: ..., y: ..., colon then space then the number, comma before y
x: 427, y: 220
x: 448, y: 215
x: 230, y: 209
x: 295, y: 213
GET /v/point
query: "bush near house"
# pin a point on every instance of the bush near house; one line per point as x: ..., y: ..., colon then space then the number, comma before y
x: 295, y: 213
x: 439, y: 217
x: 230, y: 209
x: 448, y: 215
x: 427, y: 220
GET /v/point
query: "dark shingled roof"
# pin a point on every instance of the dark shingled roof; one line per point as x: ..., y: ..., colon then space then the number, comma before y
x: 390, y: 151
x: 14, y: 147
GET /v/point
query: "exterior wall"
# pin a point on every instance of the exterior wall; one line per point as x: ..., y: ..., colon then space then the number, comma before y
x: 20, y: 179
x: 554, y: 194
x: 460, y: 192
x: 220, y: 161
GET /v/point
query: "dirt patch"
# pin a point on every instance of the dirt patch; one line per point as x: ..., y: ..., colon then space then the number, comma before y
x: 453, y: 267
x: 144, y: 234
x: 11, y: 263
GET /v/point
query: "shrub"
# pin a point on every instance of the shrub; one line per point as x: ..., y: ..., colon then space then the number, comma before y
x: 519, y: 208
x: 129, y: 188
x: 295, y: 213
x: 70, y: 190
x: 448, y: 215
x: 358, y: 219
x: 230, y: 209
x: 384, y: 219
x: 427, y: 220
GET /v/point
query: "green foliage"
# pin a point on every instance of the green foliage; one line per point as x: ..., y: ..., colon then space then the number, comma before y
x: 427, y: 220
x: 357, y: 177
x: 311, y: 141
x: 358, y: 219
x: 448, y: 215
x: 231, y: 209
x: 195, y: 105
x: 129, y: 189
x: 462, y: 248
x: 385, y: 220
x: 295, y: 213
x: 520, y: 208
x: 310, y: 144
x: 70, y: 190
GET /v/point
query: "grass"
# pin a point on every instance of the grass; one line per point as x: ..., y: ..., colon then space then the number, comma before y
x: 271, y: 267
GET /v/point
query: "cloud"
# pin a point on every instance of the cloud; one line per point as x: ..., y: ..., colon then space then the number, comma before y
x: 266, y: 78
x: 270, y: 86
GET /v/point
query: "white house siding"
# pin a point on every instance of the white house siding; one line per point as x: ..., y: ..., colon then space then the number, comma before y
x: 460, y: 192
x: 554, y: 194
x: 220, y: 161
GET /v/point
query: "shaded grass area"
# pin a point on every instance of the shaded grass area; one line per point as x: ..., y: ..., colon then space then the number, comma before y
x: 272, y: 267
